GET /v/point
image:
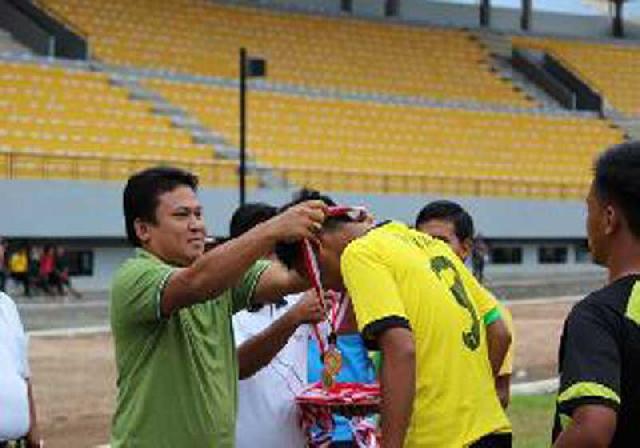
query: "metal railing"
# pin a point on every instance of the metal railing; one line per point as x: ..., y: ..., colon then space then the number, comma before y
x: 34, y: 164
x: 463, y: 185
x: 91, y: 166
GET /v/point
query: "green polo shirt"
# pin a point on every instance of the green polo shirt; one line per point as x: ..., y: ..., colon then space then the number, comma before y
x: 177, y: 377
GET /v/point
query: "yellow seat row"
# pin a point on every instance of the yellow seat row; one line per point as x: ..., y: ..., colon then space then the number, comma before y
x: 203, y: 38
x: 299, y: 134
x: 47, y: 111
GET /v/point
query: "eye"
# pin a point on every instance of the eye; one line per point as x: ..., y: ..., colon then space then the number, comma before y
x: 181, y: 214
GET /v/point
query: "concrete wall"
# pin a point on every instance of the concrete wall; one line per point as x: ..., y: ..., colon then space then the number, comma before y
x: 64, y: 209
x: 88, y: 215
x: 106, y: 261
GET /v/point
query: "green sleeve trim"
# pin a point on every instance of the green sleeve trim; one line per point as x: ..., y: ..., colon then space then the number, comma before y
x: 565, y: 421
x: 633, y: 306
x: 243, y: 296
x: 492, y: 316
x: 588, y: 389
x: 163, y: 284
x: 376, y: 360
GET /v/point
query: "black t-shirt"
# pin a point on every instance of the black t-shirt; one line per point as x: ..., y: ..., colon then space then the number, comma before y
x: 599, y: 358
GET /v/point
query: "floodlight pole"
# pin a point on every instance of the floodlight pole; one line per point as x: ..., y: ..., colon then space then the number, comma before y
x: 618, y: 21
x: 242, y: 172
x: 485, y: 13
x: 525, y: 17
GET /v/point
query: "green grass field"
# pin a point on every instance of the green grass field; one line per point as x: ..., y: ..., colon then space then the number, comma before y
x: 532, y: 417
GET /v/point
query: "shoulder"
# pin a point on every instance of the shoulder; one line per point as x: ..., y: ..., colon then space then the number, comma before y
x: 135, y: 267
x: 606, y: 302
x: 8, y: 305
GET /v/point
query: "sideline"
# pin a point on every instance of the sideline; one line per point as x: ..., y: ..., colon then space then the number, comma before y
x: 542, y: 300
x: 536, y: 387
x: 69, y: 332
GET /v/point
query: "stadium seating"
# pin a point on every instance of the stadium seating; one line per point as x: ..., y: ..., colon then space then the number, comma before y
x: 200, y: 37
x: 358, y: 145
x: 66, y: 123
x: 613, y: 70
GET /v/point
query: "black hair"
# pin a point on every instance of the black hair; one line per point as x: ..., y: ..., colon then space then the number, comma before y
x: 451, y: 212
x: 248, y: 216
x: 617, y: 179
x: 288, y: 253
x: 140, y: 198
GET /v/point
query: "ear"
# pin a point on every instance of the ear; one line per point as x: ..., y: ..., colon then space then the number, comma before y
x: 611, y: 219
x: 467, y: 246
x: 142, y: 230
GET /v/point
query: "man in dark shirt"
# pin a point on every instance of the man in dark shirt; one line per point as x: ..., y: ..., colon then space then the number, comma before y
x: 598, y: 402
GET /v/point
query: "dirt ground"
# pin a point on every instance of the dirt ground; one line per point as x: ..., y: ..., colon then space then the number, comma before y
x: 74, y: 377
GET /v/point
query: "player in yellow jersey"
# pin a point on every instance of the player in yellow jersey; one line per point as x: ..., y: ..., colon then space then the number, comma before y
x: 416, y: 302
x: 451, y: 223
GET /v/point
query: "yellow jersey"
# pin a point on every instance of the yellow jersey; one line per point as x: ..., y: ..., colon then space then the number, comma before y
x: 397, y: 276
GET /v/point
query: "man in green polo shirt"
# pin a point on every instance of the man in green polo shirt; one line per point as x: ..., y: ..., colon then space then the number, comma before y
x: 171, y: 307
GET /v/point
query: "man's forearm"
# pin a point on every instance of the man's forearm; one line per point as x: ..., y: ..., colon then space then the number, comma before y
x: 259, y: 350
x: 398, y: 380
x: 217, y: 270
x: 33, y: 436
x: 576, y: 436
x: 592, y: 426
x: 498, y: 343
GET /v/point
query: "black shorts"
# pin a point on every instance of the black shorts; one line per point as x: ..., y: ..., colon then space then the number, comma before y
x: 494, y: 441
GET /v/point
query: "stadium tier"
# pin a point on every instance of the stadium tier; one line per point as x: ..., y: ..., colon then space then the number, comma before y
x: 613, y: 70
x: 200, y: 37
x: 359, y: 145
x: 65, y: 123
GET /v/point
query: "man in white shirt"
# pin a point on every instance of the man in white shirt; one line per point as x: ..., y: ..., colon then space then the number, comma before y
x: 267, y: 412
x: 17, y: 408
x: 272, y: 346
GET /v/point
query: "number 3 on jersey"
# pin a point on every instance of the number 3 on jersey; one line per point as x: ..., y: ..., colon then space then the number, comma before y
x: 440, y: 265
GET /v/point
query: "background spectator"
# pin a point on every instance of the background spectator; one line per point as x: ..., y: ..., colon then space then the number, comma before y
x: 19, y: 268
x: 47, y: 268
x: 479, y: 253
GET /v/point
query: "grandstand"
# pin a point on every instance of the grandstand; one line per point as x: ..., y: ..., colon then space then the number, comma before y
x: 415, y: 88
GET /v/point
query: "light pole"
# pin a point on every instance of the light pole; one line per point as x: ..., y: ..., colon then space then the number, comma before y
x: 250, y: 67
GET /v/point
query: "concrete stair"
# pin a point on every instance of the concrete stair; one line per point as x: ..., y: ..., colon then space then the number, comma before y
x: 8, y: 45
x: 500, y: 48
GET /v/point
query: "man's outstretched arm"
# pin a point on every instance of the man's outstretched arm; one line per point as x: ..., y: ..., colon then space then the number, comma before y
x: 222, y: 267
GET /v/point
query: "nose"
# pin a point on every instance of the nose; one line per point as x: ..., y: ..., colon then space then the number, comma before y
x: 196, y: 224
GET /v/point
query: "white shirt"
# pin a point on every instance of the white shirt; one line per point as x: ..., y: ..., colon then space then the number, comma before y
x: 267, y: 413
x: 14, y: 372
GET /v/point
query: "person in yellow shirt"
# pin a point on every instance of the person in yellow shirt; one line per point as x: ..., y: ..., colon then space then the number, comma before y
x: 451, y: 223
x: 416, y: 302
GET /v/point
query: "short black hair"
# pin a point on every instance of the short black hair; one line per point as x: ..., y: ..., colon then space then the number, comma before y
x: 140, y: 198
x: 288, y: 253
x: 617, y: 179
x: 247, y: 216
x: 451, y: 212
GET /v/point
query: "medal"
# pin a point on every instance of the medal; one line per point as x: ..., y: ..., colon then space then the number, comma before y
x: 333, y: 361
